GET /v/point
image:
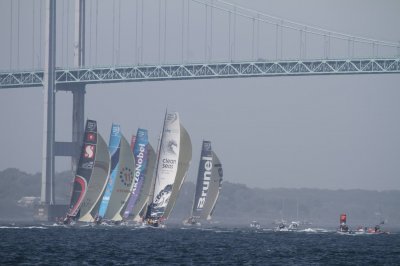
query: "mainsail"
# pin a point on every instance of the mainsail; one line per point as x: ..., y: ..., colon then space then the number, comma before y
x: 85, y: 168
x: 185, y: 157
x: 97, y: 183
x: 143, y: 154
x: 145, y: 195
x: 208, y: 184
x: 167, y: 166
x: 214, y: 189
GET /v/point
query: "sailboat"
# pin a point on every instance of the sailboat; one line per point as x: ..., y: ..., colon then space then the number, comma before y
x: 143, y: 176
x: 120, y: 180
x: 208, y: 186
x: 171, y: 169
x: 91, y: 176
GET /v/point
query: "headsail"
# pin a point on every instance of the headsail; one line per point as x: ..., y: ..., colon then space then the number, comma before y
x: 97, y: 183
x: 167, y: 166
x: 208, y: 184
x: 85, y: 168
x: 123, y: 183
x: 113, y: 147
x: 185, y: 157
x: 141, y: 153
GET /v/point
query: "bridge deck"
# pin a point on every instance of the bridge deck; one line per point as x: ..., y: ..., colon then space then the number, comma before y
x: 93, y: 75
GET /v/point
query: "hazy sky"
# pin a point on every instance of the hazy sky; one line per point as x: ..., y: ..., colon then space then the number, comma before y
x: 314, y: 131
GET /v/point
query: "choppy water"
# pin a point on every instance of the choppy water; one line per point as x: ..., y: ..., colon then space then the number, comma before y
x: 52, y: 245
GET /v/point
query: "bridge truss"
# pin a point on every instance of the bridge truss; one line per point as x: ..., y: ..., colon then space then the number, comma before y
x: 95, y: 75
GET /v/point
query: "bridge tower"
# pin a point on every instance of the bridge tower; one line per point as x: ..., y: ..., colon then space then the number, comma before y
x: 48, y: 208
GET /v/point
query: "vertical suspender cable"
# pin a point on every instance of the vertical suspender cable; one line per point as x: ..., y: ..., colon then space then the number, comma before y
x: 305, y: 43
x: 62, y: 33
x: 229, y: 37
x: 258, y: 36
x: 136, y: 32
x: 301, y: 43
x: 11, y: 35
x: 187, y: 30
x: 141, y: 39
x: 329, y: 45
x: 40, y: 33
x: 253, y: 37
x: 211, y: 30
x: 18, y: 10
x: 113, y: 34
x: 119, y: 32
x: 165, y: 30
x: 234, y: 34
x: 183, y: 30
x: 97, y: 20
x: 67, y: 59
x: 281, y: 57
x: 348, y: 48
x: 90, y: 32
x: 159, y: 32
x: 205, y: 34
x: 276, y: 41
x: 33, y: 34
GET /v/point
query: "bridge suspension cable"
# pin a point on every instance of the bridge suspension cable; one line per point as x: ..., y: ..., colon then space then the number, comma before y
x: 310, y: 29
x: 305, y: 30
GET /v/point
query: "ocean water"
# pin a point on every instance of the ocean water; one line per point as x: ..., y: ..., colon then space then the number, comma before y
x: 121, y: 245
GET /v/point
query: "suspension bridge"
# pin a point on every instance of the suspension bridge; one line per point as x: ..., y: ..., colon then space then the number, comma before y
x: 165, y: 40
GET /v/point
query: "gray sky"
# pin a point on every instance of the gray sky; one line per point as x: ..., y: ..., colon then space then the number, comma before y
x: 334, y: 132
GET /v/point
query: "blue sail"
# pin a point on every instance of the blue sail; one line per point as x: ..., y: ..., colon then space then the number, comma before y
x: 140, y: 151
x: 113, y: 147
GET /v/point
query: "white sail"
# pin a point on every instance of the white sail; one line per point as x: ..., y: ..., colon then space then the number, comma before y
x: 185, y: 157
x: 167, y: 165
x: 123, y: 182
x: 97, y: 183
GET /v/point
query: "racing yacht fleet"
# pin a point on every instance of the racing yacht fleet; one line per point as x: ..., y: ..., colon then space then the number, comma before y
x: 126, y: 183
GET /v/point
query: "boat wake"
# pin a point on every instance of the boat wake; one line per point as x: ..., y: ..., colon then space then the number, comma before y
x: 23, y: 227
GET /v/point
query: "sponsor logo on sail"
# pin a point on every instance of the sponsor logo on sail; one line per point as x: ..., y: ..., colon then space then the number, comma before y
x: 88, y: 165
x: 168, y: 163
x: 141, y: 133
x: 207, y: 146
x: 139, y: 165
x: 206, y: 181
x: 89, y: 151
x: 126, y: 176
x: 162, y: 198
x: 91, y: 125
x: 115, y: 130
x: 172, y: 147
x: 90, y: 137
x: 171, y: 118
